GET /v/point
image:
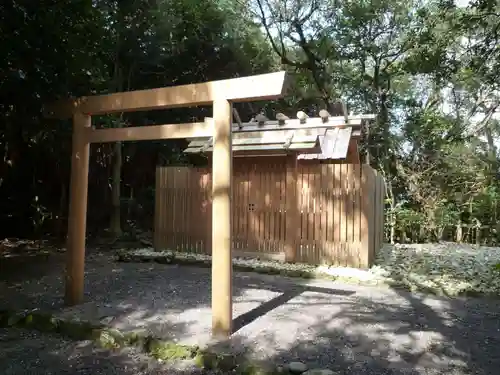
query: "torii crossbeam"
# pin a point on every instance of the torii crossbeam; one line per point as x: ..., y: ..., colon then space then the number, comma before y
x: 220, y: 94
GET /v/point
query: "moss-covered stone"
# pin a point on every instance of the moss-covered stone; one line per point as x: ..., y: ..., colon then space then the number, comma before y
x: 199, y: 360
x: 17, y: 318
x: 112, y: 338
x: 77, y: 330
x: 227, y: 362
x: 216, y: 361
x: 166, y: 350
x: 252, y: 369
x: 164, y: 259
x: 41, y: 322
x: 134, y: 339
x: 207, y: 360
x: 243, y: 268
x: 271, y: 271
x: 105, y: 339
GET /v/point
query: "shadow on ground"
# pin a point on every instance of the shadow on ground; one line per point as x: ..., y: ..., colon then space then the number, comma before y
x: 443, y: 268
x: 349, y: 329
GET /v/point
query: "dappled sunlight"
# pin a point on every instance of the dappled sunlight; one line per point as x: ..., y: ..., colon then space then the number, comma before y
x: 360, y: 336
x: 278, y: 319
x: 310, y: 213
x: 447, y: 267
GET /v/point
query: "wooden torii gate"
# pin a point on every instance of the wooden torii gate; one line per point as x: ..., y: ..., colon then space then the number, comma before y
x: 220, y: 94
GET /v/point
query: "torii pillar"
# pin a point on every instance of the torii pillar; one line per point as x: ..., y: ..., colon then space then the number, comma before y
x: 219, y: 94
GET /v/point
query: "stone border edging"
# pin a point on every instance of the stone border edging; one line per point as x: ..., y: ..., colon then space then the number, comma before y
x: 112, y: 338
x: 294, y: 270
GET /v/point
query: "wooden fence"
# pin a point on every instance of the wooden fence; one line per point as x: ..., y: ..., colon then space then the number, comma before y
x: 327, y: 213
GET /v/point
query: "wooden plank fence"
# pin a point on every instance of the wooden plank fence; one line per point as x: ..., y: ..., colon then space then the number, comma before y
x: 328, y: 213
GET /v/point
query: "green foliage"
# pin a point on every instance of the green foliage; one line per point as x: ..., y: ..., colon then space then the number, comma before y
x: 427, y: 69
x: 81, y: 48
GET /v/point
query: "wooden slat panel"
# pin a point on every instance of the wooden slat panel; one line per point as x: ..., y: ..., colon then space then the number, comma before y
x: 169, y: 208
x: 208, y: 200
x: 330, y: 213
x: 201, y: 181
x: 179, y: 210
x: 169, y: 181
x: 207, y: 184
x: 235, y: 210
x: 367, y: 213
x: 337, y: 207
x: 357, y: 207
x: 281, y: 223
x: 292, y: 218
x: 246, y: 213
x: 300, y: 210
x: 271, y: 245
x: 182, y: 195
x: 158, y: 213
x: 316, y: 222
x: 174, y: 231
x: 253, y: 209
x: 243, y: 210
x: 348, y: 212
x: 194, y: 206
x: 273, y: 177
x: 190, y: 233
x: 264, y: 207
x: 324, y: 252
x: 330, y: 224
x: 309, y: 212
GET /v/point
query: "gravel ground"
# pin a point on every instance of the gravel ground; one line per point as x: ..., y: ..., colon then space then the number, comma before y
x: 349, y: 329
x: 27, y: 352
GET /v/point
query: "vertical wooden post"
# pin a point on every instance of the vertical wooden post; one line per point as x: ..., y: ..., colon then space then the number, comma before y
x: 158, y: 211
x: 292, y: 210
x: 75, y: 265
x: 222, y: 296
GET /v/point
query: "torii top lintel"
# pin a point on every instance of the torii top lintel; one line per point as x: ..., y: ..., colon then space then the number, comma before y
x: 257, y: 87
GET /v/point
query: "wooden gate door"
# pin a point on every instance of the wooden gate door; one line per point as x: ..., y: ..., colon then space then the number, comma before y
x: 259, y: 207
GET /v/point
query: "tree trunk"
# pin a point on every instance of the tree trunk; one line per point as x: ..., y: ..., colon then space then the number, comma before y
x: 392, y: 213
x: 492, y: 151
x: 393, y: 229
x: 115, y: 220
x: 60, y: 232
x: 458, y: 235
